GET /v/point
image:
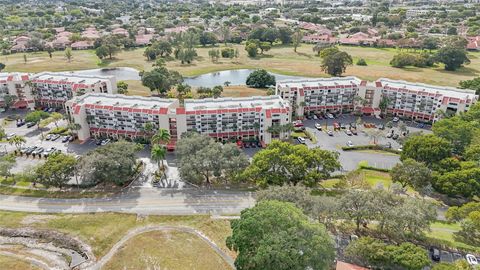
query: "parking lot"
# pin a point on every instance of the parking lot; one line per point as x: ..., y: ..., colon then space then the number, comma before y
x: 350, y: 159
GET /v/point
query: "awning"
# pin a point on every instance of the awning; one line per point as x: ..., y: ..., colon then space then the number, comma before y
x: 368, y: 110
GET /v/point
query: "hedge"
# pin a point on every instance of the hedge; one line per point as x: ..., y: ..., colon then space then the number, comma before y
x: 371, y: 147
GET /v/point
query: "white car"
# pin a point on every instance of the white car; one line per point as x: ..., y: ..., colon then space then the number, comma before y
x: 471, y: 259
x: 105, y: 142
x: 315, y: 117
x: 318, y: 126
x: 330, y: 116
x: 9, y: 136
x: 301, y: 140
x: 349, y: 144
x: 396, y: 119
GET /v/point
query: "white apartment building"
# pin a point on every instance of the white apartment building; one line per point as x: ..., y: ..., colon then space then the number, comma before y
x: 320, y: 95
x: 415, y: 100
x: 15, y: 85
x: 226, y: 119
x: 346, y: 94
x: 237, y: 119
x: 54, y: 89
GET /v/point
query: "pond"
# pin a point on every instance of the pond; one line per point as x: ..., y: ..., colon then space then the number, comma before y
x: 235, y: 77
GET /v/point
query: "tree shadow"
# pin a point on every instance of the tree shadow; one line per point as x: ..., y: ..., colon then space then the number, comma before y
x: 467, y: 71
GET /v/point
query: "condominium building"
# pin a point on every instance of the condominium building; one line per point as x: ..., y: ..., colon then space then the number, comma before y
x: 107, y: 115
x: 414, y: 100
x: 398, y: 98
x: 15, y: 87
x: 227, y: 119
x: 232, y: 119
x: 320, y: 95
x: 54, y: 89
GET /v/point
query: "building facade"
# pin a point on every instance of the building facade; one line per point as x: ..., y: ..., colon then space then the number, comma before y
x: 16, y: 91
x: 49, y: 89
x: 54, y: 89
x: 399, y: 98
x: 225, y: 119
x: 320, y: 95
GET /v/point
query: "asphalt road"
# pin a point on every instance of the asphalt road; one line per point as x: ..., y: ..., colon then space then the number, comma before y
x: 140, y: 201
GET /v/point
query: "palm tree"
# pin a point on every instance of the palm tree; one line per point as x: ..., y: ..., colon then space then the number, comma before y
x: 158, y: 153
x: 375, y: 134
x: 383, y: 105
x: 162, y: 137
x: 18, y: 141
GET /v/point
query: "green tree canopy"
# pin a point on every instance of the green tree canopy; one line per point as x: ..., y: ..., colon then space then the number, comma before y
x: 276, y: 235
x: 411, y: 173
x: 260, y: 78
x: 428, y: 149
x: 334, y: 61
x: 57, y: 170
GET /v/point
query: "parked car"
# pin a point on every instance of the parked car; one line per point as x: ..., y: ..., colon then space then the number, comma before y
x: 435, y: 254
x: 389, y: 135
x: 318, y: 126
x: 24, y: 149
x: 54, y: 137
x: 314, y: 117
x: 66, y: 138
x: 49, y: 151
x: 105, y: 142
x: 10, y: 135
x: 30, y: 150
x: 471, y: 259
x: 301, y: 140
x: 30, y: 124
x: 49, y: 137
x: 349, y: 144
x: 37, y: 151
x: 330, y: 116
x: 348, y: 132
x: 51, y: 110
x: 298, y: 123
x: 381, y: 126
x: 343, y: 126
x: 98, y: 141
x: 336, y: 126
x: 330, y: 133
x: 354, y: 131
x: 353, y: 125
x: 395, y: 136
x: 395, y: 119
x: 20, y: 122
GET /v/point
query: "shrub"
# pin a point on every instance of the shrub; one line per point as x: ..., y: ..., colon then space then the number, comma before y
x: 361, y: 62
x: 59, y: 130
x: 228, y: 52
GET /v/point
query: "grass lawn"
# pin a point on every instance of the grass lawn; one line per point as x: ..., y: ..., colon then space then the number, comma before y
x: 103, y: 230
x: 280, y: 59
x: 13, y: 263
x: 445, y: 232
x: 166, y: 250
x: 22, y: 191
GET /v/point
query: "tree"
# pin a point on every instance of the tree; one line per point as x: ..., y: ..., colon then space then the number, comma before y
x: 101, y: 52
x: 298, y: 195
x: 162, y: 136
x: 470, y: 229
x: 260, y: 78
x: 335, y: 62
x: 430, y: 43
x: 208, y: 38
x: 7, y: 163
x: 36, y: 117
x: 68, y: 54
x: 457, y: 131
x: 375, y: 134
x: 50, y: 51
x: 457, y: 265
x: 297, y: 39
x: 453, y: 57
x: 403, y: 59
x: 113, y: 163
x: 204, y: 161
x: 428, y: 149
x: 18, y: 141
x: 122, y: 87
x: 285, y: 35
x: 357, y: 206
x: 378, y: 255
x: 225, y: 32
x: 160, y: 79
x: 9, y: 100
x: 473, y: 84
x: 460, y: 182
x: 158, y: 154
x: 264, y: 47
x: 457, y: 213
x: 57, y: 170
x: 383, y: 105
x: 214, y: 55
x: 252, y: 48
x: 411, y: 173
x: 276, y: 235
x: 283, y: 163
x: 24, y: 58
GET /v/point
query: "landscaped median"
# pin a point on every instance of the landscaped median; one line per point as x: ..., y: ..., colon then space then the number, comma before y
x: 374, y: 147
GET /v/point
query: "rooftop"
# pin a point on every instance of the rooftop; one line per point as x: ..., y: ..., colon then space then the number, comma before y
x: 267, y: 102
x: 319, y: 82
x: 13, y: 76
x: 123, y: 101
x: 70, y: 77
x: 443, y: 90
